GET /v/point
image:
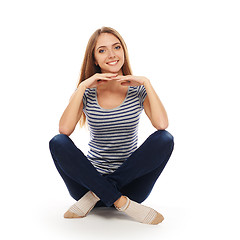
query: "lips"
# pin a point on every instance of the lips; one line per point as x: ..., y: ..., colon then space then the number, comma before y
x: 112, y: 63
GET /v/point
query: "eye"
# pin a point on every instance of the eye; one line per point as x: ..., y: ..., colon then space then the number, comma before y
x: 101, y: 51
x: 118, y: 47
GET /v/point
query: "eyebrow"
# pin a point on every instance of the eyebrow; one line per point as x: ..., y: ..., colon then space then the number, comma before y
x: 112, y: 45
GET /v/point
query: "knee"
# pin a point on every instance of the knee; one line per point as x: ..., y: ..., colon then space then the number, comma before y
x: 57, y: 140
x: 163, y: 137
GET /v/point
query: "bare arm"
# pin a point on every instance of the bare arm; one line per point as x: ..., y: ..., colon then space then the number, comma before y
x: 154, y: 108
x: 73, y: 112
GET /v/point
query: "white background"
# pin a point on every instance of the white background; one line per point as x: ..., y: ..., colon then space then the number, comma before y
x: 191, y: 53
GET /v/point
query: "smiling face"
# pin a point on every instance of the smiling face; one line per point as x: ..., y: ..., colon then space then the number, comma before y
x: 109, y: 54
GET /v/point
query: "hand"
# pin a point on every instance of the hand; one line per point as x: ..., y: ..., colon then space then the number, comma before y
x: 130, y: 80
x: 97, y: 79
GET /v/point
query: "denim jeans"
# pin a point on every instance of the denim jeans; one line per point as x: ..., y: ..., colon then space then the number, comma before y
x: 135, y: 178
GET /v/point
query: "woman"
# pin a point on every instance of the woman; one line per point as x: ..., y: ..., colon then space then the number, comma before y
x: 115, y: 172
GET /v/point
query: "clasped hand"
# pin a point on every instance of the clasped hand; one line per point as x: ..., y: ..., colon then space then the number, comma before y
x: 100, y: 78
x: 130, y: 80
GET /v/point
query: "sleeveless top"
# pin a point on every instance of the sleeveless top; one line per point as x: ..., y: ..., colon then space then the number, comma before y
x: 113, y: 132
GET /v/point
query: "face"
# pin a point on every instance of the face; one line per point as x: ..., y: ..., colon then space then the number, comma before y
x: 109, y: 53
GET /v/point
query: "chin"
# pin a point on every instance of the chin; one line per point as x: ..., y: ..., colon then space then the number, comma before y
x: 112, y: 71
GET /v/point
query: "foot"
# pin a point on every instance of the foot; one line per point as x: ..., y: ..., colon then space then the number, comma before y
x: 83, y: 206
x: 141, y: 213
x: 69, y: 214
x: 120, y: 202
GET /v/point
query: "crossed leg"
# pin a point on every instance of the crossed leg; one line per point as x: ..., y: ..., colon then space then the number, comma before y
x: 135, y: 178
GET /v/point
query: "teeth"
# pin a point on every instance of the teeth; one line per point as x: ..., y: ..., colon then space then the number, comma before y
x: 112, y: 63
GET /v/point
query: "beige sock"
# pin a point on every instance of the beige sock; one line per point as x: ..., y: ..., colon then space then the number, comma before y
x: 141, y: 213
x: 85, y: 204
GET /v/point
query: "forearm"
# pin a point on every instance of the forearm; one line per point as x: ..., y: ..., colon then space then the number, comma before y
x: 158, y: 113
x: 73, y: 111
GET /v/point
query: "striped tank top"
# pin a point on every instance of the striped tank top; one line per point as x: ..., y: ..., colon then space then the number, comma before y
x: 113, y: 132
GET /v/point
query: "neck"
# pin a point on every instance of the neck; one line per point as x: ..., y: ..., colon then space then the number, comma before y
x: 110, y: 85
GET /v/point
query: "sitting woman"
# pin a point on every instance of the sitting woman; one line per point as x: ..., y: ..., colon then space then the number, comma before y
x: 115, y: 171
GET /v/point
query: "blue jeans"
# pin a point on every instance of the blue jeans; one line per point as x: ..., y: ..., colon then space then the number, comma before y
x: 135, y: 178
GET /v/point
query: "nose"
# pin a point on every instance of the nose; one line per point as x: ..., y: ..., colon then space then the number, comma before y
x: 111, y: 53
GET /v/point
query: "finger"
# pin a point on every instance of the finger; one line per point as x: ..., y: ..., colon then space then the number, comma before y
x: 121, y: 80
x: 127, y: 77
x: 105, y: 78
x: 121, y: 77
x: 109, y: 78
x: 110, y: 74
x: 102, y: 80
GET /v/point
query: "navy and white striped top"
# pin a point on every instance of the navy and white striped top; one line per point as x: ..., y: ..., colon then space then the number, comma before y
x: 113, y: 132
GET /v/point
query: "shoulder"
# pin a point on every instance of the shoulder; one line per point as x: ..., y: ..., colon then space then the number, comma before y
x: 141, y: 91
x: 138, y: 89
x: 89, y: 92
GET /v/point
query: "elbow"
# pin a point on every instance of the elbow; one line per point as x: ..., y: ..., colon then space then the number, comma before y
x: 161, y: 125
x: 65, y: 130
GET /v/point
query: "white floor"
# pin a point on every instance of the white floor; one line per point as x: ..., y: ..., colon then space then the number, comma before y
x: 40, y: 217
x: 105, y: 223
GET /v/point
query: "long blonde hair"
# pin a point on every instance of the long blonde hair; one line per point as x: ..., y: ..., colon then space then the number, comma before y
x: 89, y: 68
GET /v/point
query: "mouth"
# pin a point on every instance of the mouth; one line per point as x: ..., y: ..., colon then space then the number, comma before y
x: 113, y: 63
